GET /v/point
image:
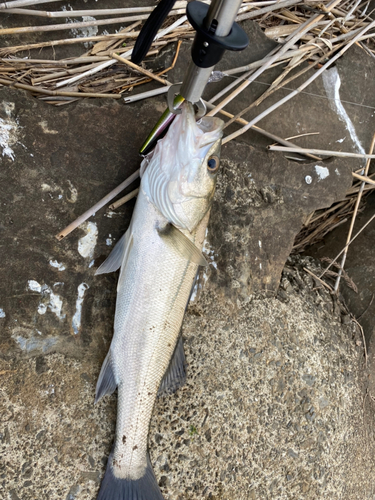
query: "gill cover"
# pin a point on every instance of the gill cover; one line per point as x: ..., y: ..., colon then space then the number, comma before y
x: 175, y: 177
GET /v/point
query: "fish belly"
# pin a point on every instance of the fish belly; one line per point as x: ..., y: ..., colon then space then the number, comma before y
x: 154, y: 287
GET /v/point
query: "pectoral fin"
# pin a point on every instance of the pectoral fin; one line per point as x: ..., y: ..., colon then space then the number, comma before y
x: 114, y: 260
x: 176, y: 239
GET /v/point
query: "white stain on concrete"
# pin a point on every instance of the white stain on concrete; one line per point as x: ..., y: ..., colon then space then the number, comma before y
x: 34, y: 286
x: 341, y: 140
x: 58, y: 265
x: 86, y: 244
x: 8, y: 137
x: 76, y: 322
x: 86, y: 30
x: 8, y: 131
x: 42, y: 309
x: 109, y: 240
x: 55, y: 305
x: 52, y: 189
x: 73, y: 193
x: 2, y: 313
x: 46, y: 129
x: 337, y: 171
x: 332, y: 83
x: 32, y: 344
x: 321, y: 172
x: 209, y: 253
x: 50, y: 300
x: 110, y: 214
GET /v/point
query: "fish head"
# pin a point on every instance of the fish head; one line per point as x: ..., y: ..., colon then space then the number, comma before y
x: 180, y: 177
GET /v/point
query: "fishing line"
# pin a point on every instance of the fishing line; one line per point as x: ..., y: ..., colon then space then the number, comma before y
x: 312, y: 94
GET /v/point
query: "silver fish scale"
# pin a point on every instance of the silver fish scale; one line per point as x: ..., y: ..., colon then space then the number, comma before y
x: 151, y: 301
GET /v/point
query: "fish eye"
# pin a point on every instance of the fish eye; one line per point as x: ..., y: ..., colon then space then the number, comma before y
x: 213, y: 164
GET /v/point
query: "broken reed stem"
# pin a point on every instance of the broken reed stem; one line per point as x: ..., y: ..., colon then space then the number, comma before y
x: 91, y: 211
x: 358, y: 201
x: 363, y: 178
x: 21, y: 3
x: 124, y: 199
x: 301, y: 30
x: 87, y: 12
x: 323, y: 152
x: 140, y: 70
x: 69, y: 26
x: 65, y: 41
x: 318, y: 279
x: 299, y: 89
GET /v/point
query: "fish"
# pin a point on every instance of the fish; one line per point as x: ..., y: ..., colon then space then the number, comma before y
x: 158, y: 256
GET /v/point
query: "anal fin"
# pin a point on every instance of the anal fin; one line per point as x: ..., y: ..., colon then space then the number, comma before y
x: 175, y: 376
x: 106, y: 382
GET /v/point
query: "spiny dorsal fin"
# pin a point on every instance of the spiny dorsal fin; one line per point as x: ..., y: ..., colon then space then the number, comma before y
x: 176, y: 239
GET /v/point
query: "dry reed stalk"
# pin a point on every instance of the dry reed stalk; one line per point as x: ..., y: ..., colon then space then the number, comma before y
x: 124, y: 200
x: 54, y: 76
x: 21, y: 3
x: 91, y: 211
x: 55, y: 92
x: 102, y: 46
x: 318, y: 279
x: 358, y: 201
x: 363, y: 178
x: 270, y: 8
x: 90, y: 12
x: 140, y: 69
x: 66, y: 41
x: 323, y: 152
x: 69, y: 26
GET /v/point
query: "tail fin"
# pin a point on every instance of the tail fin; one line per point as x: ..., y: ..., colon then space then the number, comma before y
x: 145, y: 488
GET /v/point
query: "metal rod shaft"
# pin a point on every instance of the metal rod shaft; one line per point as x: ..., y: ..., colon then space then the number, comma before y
x: 224, y: 12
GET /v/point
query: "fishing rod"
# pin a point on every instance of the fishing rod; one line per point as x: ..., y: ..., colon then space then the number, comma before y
x: 216, y: 32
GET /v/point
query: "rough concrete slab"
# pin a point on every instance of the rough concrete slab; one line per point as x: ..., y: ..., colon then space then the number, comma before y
x: 272, y: 408
x: 261, y: 204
